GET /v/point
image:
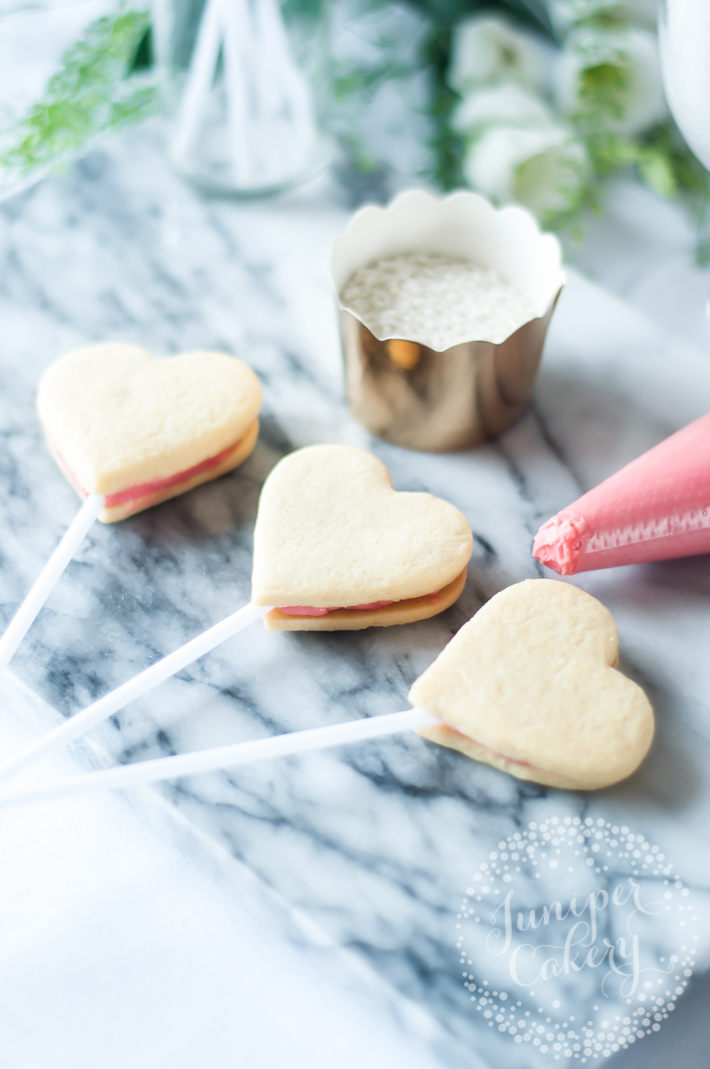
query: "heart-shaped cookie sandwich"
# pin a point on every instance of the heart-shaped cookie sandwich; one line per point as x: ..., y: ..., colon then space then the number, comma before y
x: 138, y: 430
x: 530, y: 686
x: 336, y: 548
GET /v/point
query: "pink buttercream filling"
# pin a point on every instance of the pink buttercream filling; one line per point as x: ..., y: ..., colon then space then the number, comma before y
x: 495, y: 753
x: 311, y: 610
x: 141, y: 490
x: 153, y: 487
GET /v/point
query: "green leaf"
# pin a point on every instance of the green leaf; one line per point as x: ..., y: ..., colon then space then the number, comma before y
x: 90, y: 94
x: 447, y: 147
x: 656, y: 170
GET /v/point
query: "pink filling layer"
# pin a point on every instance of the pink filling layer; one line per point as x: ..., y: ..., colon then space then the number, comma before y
x: 141, y: 490
x: 495, y: 753
x: 310, y: 610
x: 512, y: 760
x: 153, y: 487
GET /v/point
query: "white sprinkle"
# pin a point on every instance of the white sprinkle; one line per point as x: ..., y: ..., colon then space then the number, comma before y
x: 435, y: 300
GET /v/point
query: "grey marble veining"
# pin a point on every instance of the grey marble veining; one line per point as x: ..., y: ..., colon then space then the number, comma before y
x: 375, y: 844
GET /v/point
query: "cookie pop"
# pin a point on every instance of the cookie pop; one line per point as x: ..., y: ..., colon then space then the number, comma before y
x: 657, y: 507
x: 335, y: 547
x: 128, y: 431
x: 529, y: 685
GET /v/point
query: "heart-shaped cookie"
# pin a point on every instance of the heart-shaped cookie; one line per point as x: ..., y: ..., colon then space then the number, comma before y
x: 138, y: 429
x: 341, y: 549
x: 530, y: 686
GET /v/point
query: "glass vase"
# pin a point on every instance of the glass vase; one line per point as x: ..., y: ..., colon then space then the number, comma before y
x: 245, y: 86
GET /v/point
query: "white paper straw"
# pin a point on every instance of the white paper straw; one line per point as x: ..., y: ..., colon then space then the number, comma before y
x: 238, y: 59
x: 134, y: 688
x: 267, y: 101
x: 270, y: 110
x: 282, y: 97
x: 294, y: 84
x: 199, y: 80
x: 240, y: 753
x: 48, y: 578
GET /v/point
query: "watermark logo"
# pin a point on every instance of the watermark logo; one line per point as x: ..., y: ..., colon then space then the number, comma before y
x: 576, y: 936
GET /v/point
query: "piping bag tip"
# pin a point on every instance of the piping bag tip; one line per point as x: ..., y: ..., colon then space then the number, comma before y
x: 560, y: 543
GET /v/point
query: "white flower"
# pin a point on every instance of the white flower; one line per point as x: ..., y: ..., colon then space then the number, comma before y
x: 485, y: 50
x: 635, y: 55
x: 506, y: 104
x: 541, y: 168
x: 564, y: 13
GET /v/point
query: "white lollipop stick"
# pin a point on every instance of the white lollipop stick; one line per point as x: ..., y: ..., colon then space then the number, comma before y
x: 134, y: 688
x: 199, y: 80
x: 48, y: 578
x: 284, y: 67
x: 238, y: 47
x: 286, y: 111
x: 240, y: 753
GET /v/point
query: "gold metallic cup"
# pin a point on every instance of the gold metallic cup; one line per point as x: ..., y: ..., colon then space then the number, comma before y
x: 412, y: 395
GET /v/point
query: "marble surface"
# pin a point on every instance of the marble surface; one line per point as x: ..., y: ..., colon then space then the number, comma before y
x: 127, y: 942
x: 372, y: 848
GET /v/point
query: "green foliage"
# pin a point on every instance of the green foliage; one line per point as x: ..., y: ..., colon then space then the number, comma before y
x: 598, y: 16
x: 601, y: 94
x: 353, y: 89
x: 656, y: 171
x: 666, y: 164
x: 90, y: 94
x: 303, y: 10
x: 143, y: 58
x: 532, y: 13
x: 659, y: 156
x: 348, y: 80
x: 446, y: 145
